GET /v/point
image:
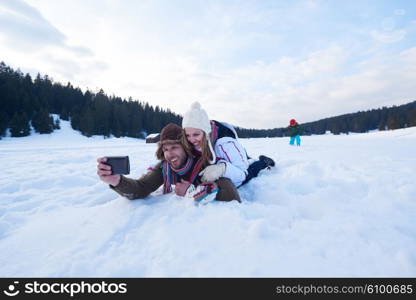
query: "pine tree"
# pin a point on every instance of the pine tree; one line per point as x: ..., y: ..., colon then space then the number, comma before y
x: 101, y: 114
x: 392, y: 122
x: 64, y: 115
x: 412, y: 117
x: 87, y: 123
x: 57, y: 124
x: 19, y: 125
x: 382, y: 125
x: 4, y: 123
x: 42, y: 122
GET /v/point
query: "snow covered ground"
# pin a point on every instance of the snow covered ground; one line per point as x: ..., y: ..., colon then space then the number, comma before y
x: 336, y: 206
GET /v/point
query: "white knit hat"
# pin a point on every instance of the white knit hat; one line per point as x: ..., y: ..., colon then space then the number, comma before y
x: 197, y: 118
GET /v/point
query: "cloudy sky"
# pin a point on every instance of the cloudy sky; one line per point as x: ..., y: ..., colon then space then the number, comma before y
x: 255, y: 64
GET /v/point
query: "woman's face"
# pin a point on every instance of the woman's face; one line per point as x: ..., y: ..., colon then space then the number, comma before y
x: 194, y: 136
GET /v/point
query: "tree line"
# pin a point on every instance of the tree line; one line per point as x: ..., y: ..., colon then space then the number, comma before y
x: 384, y: 118
x: 27, y: 102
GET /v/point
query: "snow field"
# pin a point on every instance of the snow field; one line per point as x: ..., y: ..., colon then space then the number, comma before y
x: 336, y: 206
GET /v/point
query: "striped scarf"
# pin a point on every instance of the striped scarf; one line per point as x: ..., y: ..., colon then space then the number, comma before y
x: 172, y: 175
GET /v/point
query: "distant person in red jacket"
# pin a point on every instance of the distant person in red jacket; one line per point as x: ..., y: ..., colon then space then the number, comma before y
x: 294, y: 130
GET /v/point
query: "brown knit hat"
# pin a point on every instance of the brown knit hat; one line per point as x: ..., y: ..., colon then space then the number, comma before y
x: 170, y: 134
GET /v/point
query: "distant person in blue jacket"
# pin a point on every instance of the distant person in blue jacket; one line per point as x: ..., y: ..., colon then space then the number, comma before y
x: 294, y: 130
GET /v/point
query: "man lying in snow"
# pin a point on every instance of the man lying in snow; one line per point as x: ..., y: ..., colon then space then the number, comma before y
x: 176, y: 167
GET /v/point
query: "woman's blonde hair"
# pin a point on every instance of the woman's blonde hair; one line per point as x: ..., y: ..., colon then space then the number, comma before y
x: 205, y: 149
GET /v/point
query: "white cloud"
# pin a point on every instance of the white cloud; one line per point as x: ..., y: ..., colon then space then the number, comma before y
x: 227, y: 55
x: 312, y: 88
x: 31, y: 42
x: 389, y: 36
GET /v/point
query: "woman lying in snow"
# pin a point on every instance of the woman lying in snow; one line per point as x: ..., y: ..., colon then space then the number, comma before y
x: 217, y: 142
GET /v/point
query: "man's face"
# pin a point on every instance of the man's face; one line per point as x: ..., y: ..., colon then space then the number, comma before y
x: 175, y: 155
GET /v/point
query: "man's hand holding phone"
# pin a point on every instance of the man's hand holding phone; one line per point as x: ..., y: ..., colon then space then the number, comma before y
x: 104, y: 171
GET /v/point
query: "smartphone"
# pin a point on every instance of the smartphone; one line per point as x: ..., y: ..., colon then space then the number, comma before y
x: 120, y: 165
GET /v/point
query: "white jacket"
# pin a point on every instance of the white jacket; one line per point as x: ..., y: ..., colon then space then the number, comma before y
x: 229, y: 151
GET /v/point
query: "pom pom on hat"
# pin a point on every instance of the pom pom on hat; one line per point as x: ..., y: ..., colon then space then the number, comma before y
x: 196, y: 105
x: 196, y: 117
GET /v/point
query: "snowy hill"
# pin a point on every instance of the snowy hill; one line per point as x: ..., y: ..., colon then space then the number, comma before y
x: 336, y: 206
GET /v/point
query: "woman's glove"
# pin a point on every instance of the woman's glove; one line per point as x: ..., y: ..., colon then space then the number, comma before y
x: 212, y: 172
